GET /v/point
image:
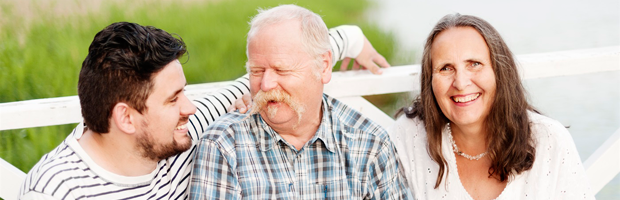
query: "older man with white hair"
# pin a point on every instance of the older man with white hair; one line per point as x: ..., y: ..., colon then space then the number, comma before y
x: 296, y: 142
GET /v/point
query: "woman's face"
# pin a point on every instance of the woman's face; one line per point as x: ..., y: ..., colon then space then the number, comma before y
x: 462, y: 76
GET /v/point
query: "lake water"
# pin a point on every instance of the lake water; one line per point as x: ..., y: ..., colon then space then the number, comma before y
x: 588, y: 103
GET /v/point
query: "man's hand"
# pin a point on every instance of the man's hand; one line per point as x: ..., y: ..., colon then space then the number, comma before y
x: 369, y: 58
x: 242, y: 104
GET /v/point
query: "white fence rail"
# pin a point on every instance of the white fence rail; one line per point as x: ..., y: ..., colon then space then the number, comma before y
x: 349, y: 86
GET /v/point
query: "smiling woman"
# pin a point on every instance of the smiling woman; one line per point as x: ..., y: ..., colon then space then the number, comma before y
x: 471, y: 134
x: 462, y: 72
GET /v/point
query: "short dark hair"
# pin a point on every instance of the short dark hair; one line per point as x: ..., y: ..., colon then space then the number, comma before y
x: 511, y: 144
x: 119, y: 67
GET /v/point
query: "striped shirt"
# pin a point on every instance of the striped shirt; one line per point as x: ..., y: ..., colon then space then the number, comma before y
x: 349, y: 157
x: 67, y: 172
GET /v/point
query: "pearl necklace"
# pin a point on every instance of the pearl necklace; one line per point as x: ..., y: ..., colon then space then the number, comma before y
x: 460, y: 153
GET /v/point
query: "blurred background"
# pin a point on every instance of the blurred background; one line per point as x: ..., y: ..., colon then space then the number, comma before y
x: 43, y: 42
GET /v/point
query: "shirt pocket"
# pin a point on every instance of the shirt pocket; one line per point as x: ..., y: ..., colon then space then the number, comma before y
x: 260, y: 186
x: 340, y: 189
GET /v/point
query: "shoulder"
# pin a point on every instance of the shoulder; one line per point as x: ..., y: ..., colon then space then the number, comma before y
x: 548, y: 131
x: 353, y: 121
x: 52, y: 171
x: 407, y: 129
x: 553, y: 142
x: 403, y: 122
x: 38, y: 196
x: 226, y: 125
x: 226, y: 131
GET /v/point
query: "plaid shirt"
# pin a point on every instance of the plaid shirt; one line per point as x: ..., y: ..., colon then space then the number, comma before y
x: 350, y: 157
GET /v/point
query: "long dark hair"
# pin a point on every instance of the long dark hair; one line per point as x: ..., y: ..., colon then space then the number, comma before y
x: 511, y: 146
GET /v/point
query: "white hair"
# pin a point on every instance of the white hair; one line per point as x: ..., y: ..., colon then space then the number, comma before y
x: 314, y: 38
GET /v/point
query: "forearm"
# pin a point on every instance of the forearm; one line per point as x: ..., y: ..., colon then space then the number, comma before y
x: 346, y: 41
x: 210, y: 107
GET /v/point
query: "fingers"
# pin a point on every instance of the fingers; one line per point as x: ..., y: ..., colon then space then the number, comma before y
x: 242, y: 104
x: 369, y: 64
x: 381, y: 61
x: 345, y: 64
x: 378, y: 62
x: 238, y: 105
x: 231, y: 108
x: 366, y: 63
x: 356, y: 65
x: 247, y: 99
x: 374, y: 68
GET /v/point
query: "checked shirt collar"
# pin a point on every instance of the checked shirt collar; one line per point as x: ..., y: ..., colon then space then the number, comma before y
x: 268, y: 138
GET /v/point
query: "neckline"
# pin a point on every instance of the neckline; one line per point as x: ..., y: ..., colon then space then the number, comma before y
x: 448, y: 153
x: 72, y: 142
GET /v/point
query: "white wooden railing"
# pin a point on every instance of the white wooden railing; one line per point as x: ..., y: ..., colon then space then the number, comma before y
x: 349, y: 86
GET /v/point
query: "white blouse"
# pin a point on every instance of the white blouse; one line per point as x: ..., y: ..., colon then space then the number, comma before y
x: 557, y: 172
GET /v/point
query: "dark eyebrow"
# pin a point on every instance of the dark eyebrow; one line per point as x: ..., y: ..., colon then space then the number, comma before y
x: 441, y: 65
x: 474, y: 60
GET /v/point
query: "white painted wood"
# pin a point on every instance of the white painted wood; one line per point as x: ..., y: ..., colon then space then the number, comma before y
x: 40, y: 112
x: 10, y: 180
x: 369, y: 110
x: 349, y: 86
x: 565, y: 63
x: 64, y: 110
x: 604, y: 164
x: 361, y: 83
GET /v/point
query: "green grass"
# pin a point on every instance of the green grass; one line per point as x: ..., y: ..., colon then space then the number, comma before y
x: 43, y: 59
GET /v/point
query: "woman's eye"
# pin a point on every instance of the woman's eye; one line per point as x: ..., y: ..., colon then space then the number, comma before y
x: 174, y: 99
x: 475, y: 64
x: 446, y: 68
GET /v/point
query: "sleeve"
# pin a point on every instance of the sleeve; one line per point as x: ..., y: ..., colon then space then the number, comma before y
x: 36, y: 196
x: 347, y: 41
x: 387, y: 177
x: 214, y: 105
x: 213, y: 177
x: 572, y: 182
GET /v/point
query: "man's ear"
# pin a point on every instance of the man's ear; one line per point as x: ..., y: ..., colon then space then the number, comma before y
x: 326, y: 65
x: 123, y: 119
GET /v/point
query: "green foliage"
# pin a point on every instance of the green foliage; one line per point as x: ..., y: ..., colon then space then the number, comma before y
x: 43, y: 58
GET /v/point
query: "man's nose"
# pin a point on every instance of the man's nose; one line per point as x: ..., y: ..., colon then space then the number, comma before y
x: 269, y: 81
x: 187, y: 108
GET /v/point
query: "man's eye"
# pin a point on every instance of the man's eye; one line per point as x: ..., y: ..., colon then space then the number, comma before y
x: 284, y: 71
x: 476, y: 64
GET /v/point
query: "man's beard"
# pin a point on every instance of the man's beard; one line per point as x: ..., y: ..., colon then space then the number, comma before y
x: 261, y: 100
x: 156, y: 152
